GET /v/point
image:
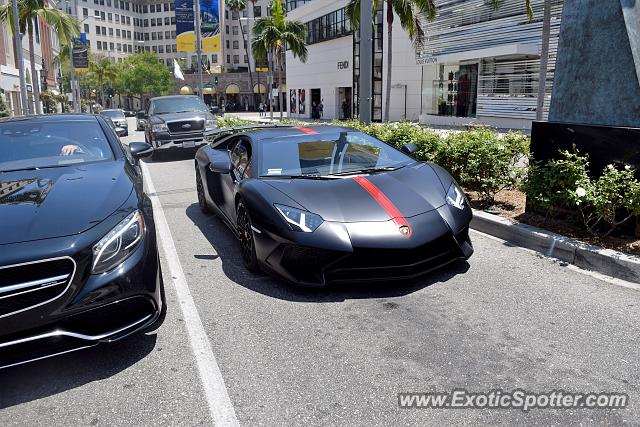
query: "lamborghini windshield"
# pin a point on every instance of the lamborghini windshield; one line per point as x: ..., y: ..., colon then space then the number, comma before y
x: 328, y: 154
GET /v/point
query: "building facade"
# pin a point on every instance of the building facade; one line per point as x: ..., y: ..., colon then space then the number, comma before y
x: 46, y: 48
x: 119, y: 28
x: 482, y: 65
x: 474, y: 64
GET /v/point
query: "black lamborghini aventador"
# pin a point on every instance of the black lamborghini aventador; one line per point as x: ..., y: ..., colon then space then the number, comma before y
x: 327, y: 204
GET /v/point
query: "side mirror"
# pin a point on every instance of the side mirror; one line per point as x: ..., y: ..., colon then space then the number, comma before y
x: 409, y: 149
x: 221, y: 162
x: 121, y: 131
x: 140, y: 150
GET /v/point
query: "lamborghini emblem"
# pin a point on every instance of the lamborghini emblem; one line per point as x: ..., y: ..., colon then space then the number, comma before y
x: 405, y: 230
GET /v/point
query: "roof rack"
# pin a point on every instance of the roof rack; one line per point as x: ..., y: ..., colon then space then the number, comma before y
x: 224, y: 132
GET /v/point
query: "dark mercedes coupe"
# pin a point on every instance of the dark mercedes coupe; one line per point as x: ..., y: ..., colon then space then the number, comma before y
x: 78, y: 253
x: 326, y: 204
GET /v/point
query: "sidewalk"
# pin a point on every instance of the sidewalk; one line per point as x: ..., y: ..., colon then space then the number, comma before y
x: 255, y: 116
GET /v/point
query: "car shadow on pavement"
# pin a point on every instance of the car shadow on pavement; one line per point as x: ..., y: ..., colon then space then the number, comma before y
x: 173, y: 155
x: 55, y: 375
x: 227, y: 248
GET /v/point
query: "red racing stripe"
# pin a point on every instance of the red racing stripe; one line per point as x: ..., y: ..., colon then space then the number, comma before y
x: 307, y: 130
x: 384, y: 203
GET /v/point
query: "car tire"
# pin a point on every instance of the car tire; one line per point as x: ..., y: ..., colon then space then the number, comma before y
x: 202, y: 201
x: 245, y: 236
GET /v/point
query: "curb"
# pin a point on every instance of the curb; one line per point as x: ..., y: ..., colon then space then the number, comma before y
x: 588, y: 257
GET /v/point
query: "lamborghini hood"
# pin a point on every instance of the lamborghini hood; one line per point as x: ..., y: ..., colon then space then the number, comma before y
x: 406, y: 192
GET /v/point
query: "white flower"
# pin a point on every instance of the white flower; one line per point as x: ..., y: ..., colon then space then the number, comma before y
x: 611, y: 167
x: 627, y: 167
x: 581, y: 192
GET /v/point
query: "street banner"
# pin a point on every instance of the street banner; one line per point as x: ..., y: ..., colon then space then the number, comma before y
x: 80, y: 54
x: 185, y: 28
x: 210, y: 25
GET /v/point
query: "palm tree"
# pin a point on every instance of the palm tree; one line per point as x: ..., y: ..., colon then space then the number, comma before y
x: 29, y: 11
x: 409, y: 12
x: 102, y: 70
x: 272, y: 36
x: 237, y: 6
x: 544, y: 51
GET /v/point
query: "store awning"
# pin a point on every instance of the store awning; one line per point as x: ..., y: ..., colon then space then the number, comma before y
x: 263, y: 89
x: 209, y: 90
x: 186, y: 90
x: 232, y: 89
x: 513, y: 49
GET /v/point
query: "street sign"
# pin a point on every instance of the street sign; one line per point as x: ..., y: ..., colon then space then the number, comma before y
x: 80, y: 54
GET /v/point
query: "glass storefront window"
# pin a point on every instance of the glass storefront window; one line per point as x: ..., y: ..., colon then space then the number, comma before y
x: 450, y: 89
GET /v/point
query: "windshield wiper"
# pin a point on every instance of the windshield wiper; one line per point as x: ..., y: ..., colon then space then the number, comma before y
x: 368, y: 170
x: 30, y: 168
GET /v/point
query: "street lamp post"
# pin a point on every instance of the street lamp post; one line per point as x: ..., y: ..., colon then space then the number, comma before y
x: 249, y: 57
x: 199, y: 49
x: 20, y: 59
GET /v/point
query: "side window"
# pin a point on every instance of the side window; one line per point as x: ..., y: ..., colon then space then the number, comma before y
x: 241, y: 159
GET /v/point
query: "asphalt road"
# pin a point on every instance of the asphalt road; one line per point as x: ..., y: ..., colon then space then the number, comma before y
x: 506, y: 319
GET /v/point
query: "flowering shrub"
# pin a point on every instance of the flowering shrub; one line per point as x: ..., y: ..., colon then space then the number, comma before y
x: 553, y: 184
x: 611, y: 200
x: 603, y: 204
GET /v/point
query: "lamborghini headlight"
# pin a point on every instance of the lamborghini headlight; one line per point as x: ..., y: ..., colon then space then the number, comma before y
x: 300, y: 220
x: 159, y: 127
x: 118, y: 244
x: 455, y: 196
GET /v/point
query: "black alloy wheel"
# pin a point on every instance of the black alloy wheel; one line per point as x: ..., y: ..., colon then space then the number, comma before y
x: 245, y: 235
x: 202, y: 202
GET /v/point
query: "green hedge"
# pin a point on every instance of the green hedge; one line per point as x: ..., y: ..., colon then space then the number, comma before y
x: 601, y: 204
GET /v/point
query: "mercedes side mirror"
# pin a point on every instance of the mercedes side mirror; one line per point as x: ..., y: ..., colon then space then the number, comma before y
x: 409, y: 149
x: 140, y: 150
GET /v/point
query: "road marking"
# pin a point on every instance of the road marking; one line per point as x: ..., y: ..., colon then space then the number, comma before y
x: 594, y: 274
x: 220, y: 406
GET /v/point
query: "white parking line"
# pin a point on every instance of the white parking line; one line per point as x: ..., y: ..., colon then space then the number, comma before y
x: 220, y: 406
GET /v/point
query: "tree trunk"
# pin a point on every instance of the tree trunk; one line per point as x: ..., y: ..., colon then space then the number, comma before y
x: 246, y: 50
x: 35, y: 80
x: 280, y: 99
x: 270, y: 88
x: 387, y: 101
x: 544, y: 59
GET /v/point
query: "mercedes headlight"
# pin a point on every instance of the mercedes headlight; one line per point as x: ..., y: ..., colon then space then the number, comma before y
x: 159, y: 127
x: 118, y: 244
x: 209, y: 124
x: 300, y: 220
x: 455, y: 196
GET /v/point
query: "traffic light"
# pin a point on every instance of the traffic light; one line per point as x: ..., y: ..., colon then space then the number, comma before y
x: 215, y: 81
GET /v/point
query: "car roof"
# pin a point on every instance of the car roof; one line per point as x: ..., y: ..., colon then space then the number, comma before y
x: 174, y: 97
x: 50, y: 118
x: 113, y: 109
x: 266, y: 133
